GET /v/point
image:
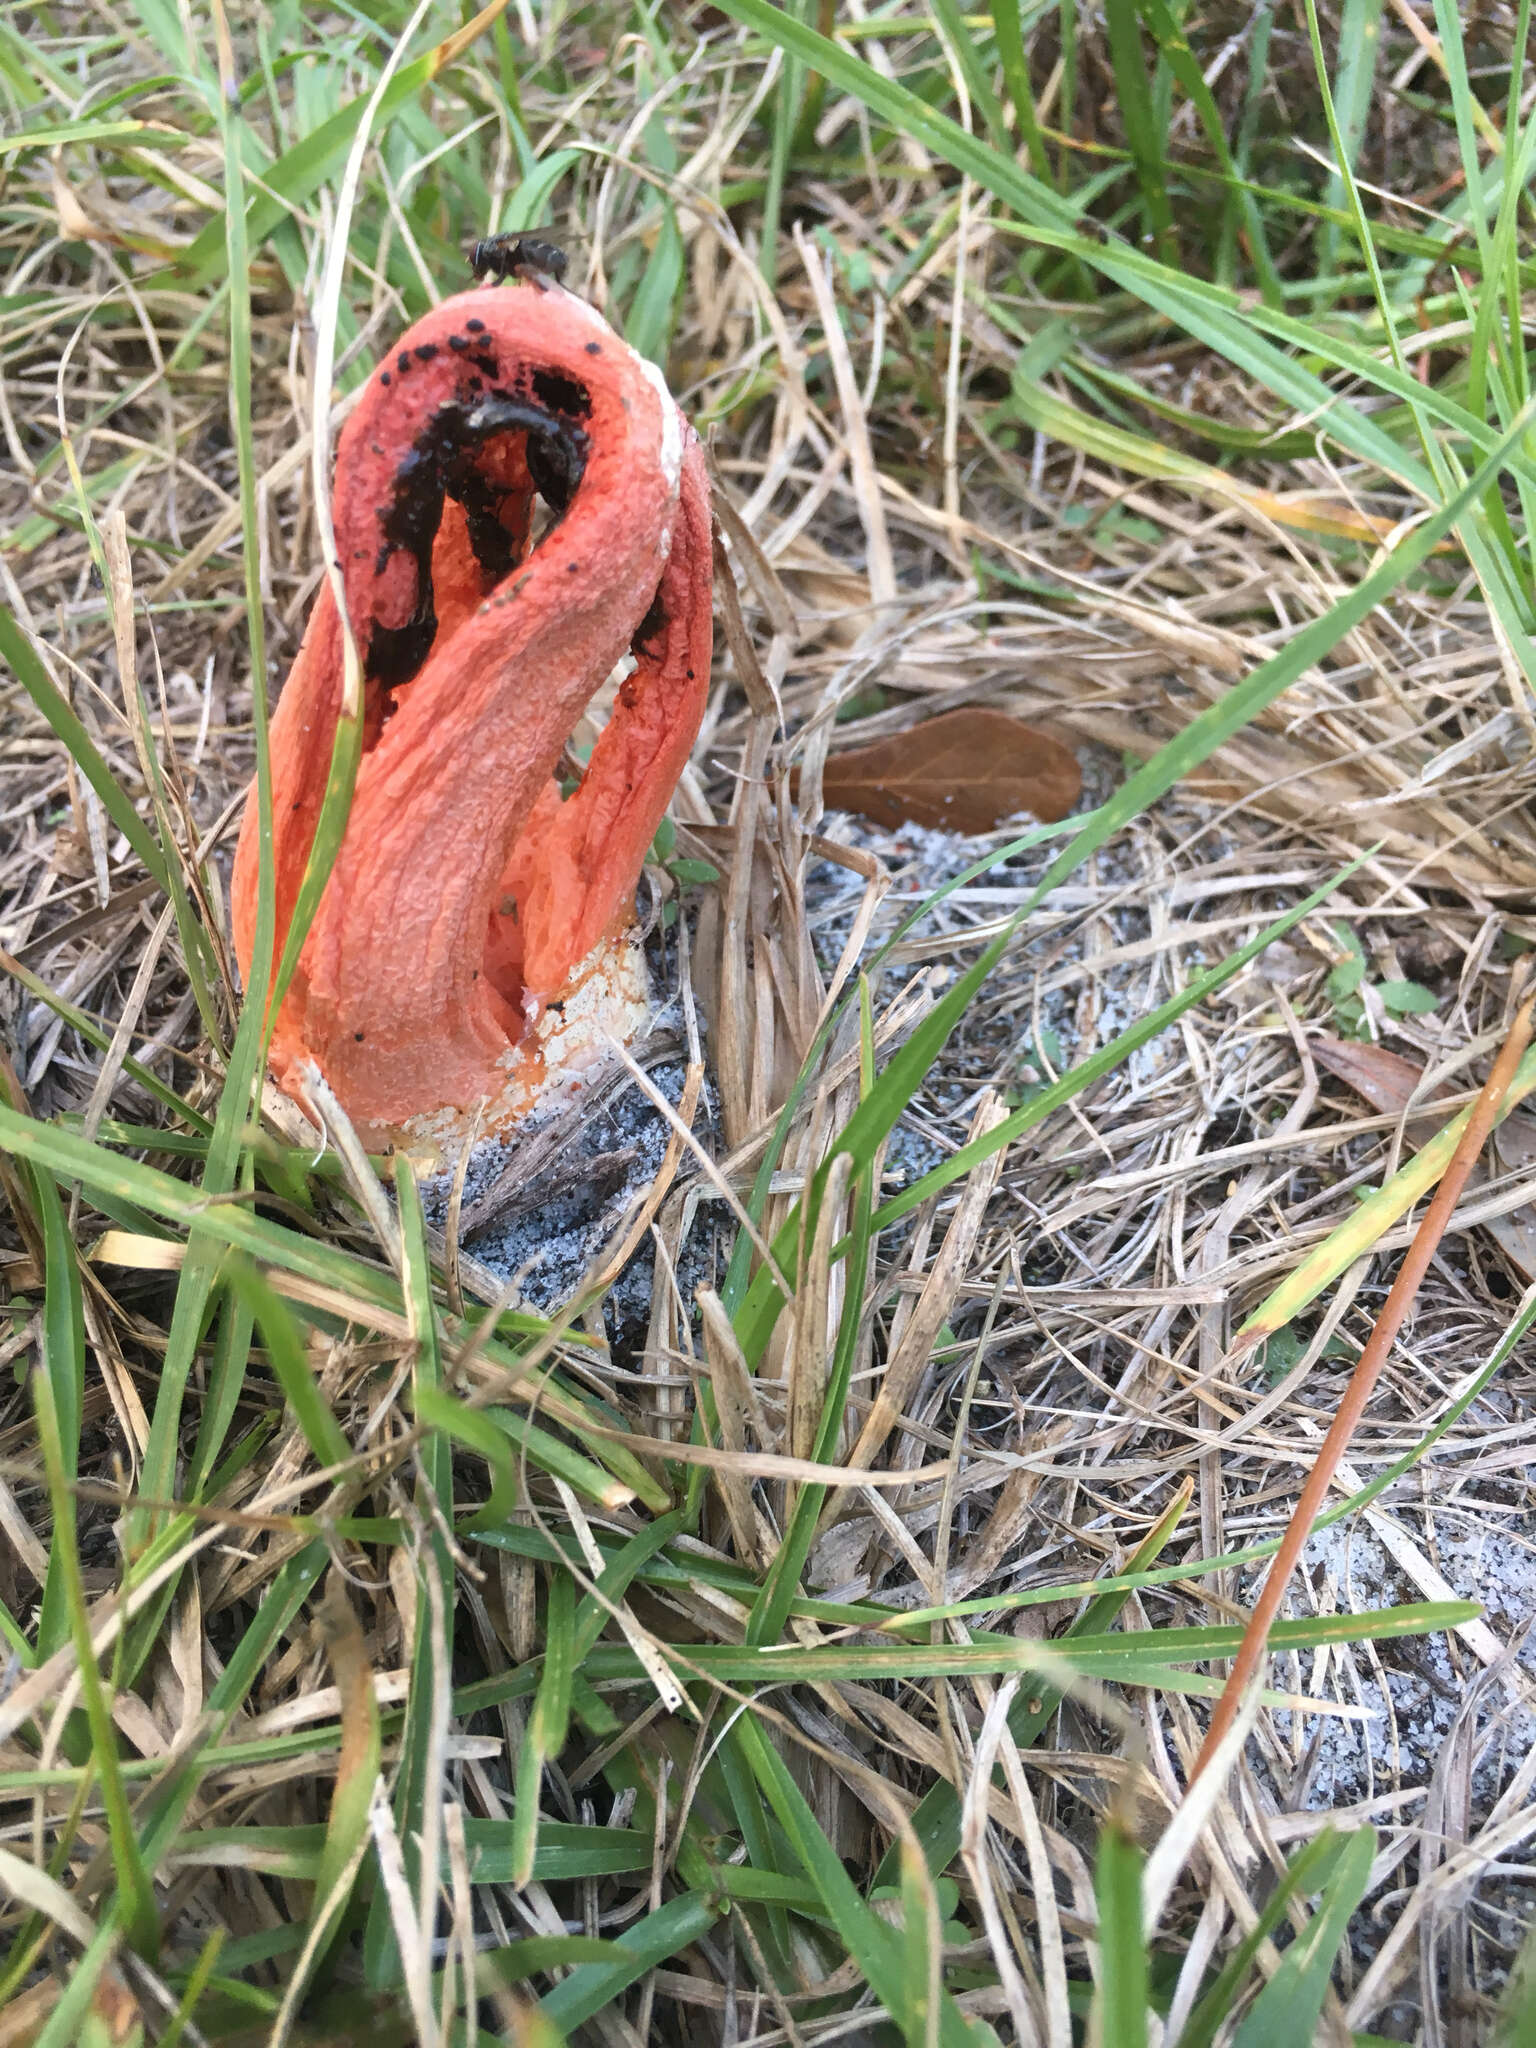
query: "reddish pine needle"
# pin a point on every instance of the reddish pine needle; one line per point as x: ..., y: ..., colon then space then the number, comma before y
x: 1410, y: 1278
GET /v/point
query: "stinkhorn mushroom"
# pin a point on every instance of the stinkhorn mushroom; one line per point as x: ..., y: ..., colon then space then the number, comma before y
x: 473, y: 910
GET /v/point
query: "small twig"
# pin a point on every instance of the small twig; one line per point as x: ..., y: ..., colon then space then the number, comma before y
x: 1409, y: 1279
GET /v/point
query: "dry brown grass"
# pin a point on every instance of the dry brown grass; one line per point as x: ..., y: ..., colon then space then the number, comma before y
x: 1057, y: 1331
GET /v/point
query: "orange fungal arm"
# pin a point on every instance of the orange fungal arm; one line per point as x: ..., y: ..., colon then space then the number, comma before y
x: 465, y: 892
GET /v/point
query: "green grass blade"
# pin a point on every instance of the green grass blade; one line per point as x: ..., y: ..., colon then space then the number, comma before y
x: 98, y: 1035
x: 1306, y: 1874
x: 771, y: 1608
x: 1469, y: 117
x: 1120, y: 2002
x: 66, y: 2024
x: 221, y: 1398
x: 744, y: 1804
x: 936, y: 1819
x: 451, y: 1418
x: 357, y: 1774
x: 63, y: 1366
x: 921, y: 1941
x: 221, y: 1167
x: 648, y: 327
x: 875, y: 1946
x: 787, y: 103
x: 661, y: 1934
x: 547, y: 1723
x: 1182, y: 62
x: 281, y: 1602
x: 539, y: 1953
x: 1067, y: 17
x: 1125, y: 1658
x: 1139, y: 115
x: 1087, y: 1072
x: 140, y: 1918
x: 28, y: 71
x: 21, y: 658
x: 528, y: 203
x: 197, y: 1983
x: 557, y: 1457
x: 1353, y: 84
x: 568, y: 1852
x: 1007, y: 26
x: 626, y: 1564
x: 1515, y: 2026
x: 330, y: 830
x: 1261, y: 27
x: 285, y: 1354
x: 298, y: 174
x: 1289, y: 2007
x: 955, y: 30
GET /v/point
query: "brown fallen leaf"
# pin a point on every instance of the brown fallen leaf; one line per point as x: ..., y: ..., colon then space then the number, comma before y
x: 964, y: 771
x: 1385, y: 1079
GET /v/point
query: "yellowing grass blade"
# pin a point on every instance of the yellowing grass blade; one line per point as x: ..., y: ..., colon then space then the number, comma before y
x: 1370, y: 1222
x: 1305, y: 512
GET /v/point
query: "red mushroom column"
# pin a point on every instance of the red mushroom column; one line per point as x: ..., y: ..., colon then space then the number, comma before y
x: 468, y: 897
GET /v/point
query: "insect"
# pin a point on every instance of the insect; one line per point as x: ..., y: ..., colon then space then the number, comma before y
x: 518, y: 256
